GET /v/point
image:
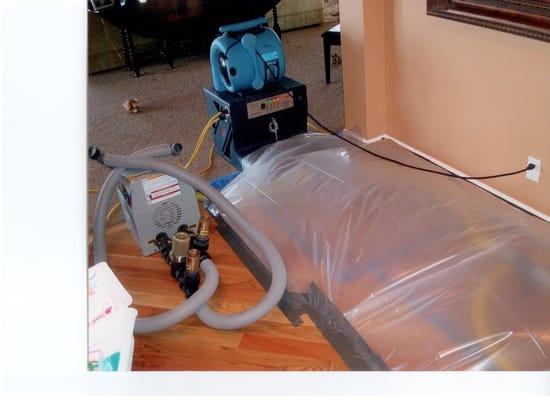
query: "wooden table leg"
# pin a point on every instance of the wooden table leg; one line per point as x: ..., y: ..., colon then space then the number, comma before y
x: 130, y: 56
x: 326, y: 45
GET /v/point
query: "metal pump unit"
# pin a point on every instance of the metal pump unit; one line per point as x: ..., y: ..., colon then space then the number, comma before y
x: 259, y: 104
x: 154, y: 203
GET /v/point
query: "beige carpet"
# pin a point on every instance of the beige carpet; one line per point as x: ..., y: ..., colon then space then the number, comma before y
x: 172, y: 107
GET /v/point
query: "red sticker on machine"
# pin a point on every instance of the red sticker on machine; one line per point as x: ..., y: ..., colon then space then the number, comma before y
x: 161, y: 188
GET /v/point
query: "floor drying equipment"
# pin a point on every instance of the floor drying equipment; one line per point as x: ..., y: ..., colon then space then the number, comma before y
x: 259, y: 103
x: 252, y: 104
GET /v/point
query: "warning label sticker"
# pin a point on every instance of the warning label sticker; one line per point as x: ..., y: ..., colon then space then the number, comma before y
x: 161, y: 189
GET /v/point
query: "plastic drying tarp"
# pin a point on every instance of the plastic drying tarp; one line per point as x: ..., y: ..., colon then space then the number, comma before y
x: 433, y: 272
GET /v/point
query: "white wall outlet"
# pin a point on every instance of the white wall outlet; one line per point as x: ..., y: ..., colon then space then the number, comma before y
x: 534, y: 174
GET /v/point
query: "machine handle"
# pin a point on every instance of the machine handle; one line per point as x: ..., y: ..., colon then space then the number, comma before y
x: 249, y: 43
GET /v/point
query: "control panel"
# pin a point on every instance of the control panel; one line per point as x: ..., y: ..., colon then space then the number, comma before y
x: 270, y: 105
x: 257, y: 118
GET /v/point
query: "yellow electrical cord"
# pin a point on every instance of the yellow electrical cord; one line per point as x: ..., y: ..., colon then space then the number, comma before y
x: 316, y: 128
x: 196, y: 151
x: 200, y: 141
x: 113, y: 211
x: 210, y: 162
x: 311, y: 126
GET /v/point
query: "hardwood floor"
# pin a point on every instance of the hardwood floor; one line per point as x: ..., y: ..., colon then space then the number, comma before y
x: 270, y: 344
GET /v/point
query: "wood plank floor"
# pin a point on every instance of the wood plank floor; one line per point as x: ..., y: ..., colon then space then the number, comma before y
x: 270, y: 344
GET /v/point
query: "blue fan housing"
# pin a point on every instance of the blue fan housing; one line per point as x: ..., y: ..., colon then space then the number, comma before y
x: 247, y: 56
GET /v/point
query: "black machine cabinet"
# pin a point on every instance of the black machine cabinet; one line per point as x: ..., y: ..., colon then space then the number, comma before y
x: 256, y: 119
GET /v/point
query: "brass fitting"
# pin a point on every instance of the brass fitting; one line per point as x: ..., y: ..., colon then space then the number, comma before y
x: 181, y: 242
x: 204, y: 227
x: 193, y: 261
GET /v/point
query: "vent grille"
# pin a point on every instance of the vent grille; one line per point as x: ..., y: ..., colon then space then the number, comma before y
x: 167, y: 215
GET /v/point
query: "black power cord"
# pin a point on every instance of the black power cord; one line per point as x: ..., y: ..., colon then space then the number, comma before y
x: 529, y: 167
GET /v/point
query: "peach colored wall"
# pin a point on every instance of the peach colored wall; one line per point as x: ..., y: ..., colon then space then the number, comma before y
x: 365, y: 69
x: 475, y: 98
x: 375, y: 64
x: 352, y: 34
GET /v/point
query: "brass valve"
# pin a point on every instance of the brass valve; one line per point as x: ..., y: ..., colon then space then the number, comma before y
x: 204, y: 227
x: 193, y: 261
x: 181, y: 242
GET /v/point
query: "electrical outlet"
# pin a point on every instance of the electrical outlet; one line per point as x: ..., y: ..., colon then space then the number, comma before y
x: 534, y: 174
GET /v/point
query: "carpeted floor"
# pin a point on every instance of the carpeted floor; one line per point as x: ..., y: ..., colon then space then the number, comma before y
x: 172, y: 107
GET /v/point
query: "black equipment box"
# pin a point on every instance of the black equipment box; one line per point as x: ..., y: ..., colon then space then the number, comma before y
x: 255, y: 119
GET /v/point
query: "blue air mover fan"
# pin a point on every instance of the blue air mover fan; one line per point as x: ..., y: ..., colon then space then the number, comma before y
x: 247, y: 56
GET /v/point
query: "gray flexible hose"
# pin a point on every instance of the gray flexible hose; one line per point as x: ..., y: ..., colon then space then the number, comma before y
x: 185, y: 309
x: 161, y: 150
x: 268, y: 252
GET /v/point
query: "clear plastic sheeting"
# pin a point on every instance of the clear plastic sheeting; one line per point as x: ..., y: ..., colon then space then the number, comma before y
x: 433, y: 272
